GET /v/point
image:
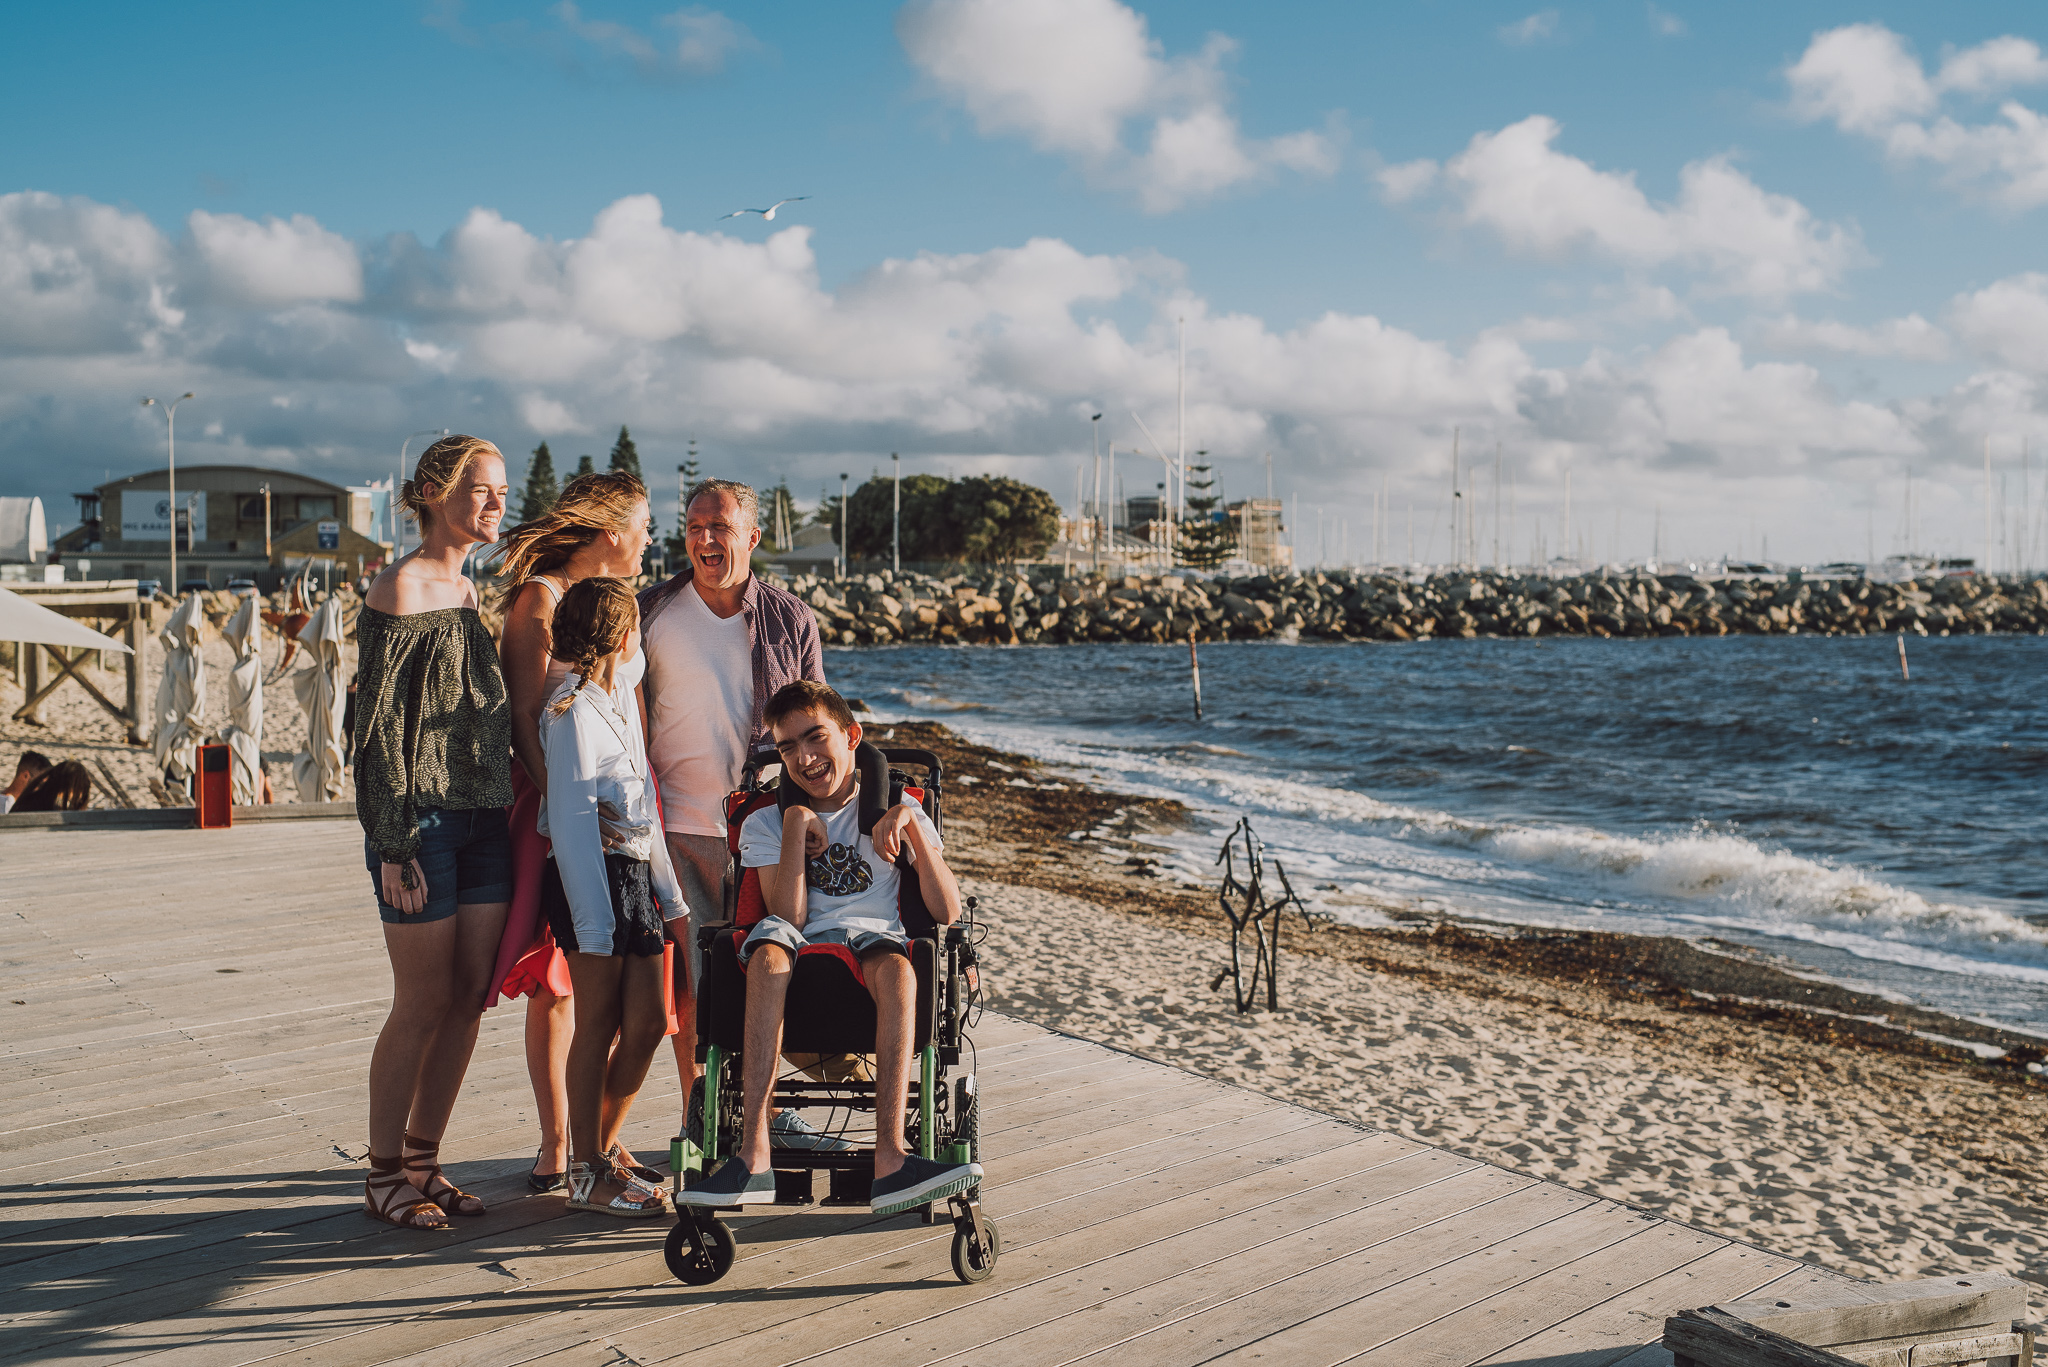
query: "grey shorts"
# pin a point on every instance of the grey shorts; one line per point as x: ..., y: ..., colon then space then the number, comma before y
x: 700, y: 862
x: 773, y: 930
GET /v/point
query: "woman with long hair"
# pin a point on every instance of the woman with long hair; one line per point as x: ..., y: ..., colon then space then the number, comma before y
x: 433, y: 742
x: 597, y: 528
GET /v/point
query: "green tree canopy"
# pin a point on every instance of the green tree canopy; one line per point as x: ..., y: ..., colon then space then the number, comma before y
x: 1000, y: 520
x: 625, y: 455
x: 542, y: 489
x: 927, y: 530
x: 585, y: 466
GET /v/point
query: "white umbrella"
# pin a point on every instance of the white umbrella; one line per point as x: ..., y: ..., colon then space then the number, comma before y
x: 24, y: 620
x: 317, y: 768
x: 244, y: 731
x: 181, y: 692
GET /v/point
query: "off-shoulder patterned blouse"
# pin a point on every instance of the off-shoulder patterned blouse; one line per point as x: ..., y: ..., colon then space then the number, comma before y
x: 433, y: 724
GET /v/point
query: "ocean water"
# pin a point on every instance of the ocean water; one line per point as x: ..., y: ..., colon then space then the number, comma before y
x: 1793, y: 794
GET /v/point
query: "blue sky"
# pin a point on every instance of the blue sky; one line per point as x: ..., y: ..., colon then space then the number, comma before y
x: 1754, y: 264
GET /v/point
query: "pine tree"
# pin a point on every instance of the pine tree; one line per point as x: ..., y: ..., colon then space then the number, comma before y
x: 687, y: 476
x: 585, y: 466
x: 541, y: 489
x: 625, y: 455
x: 1206, y: 536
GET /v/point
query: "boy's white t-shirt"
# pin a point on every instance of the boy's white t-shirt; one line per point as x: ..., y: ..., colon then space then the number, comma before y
x: 848, y: 887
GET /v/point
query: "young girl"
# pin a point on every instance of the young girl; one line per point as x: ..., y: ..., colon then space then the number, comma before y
x: 606, y: 907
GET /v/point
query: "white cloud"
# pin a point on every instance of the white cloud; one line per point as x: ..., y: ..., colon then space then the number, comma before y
x: 1911, y: 338
x: 979, y: 358
x: 1072, y: 76
x: 1543, y: 202
x: 1533, y: 29
x: 275, y: 262
x: 702, y: 41
x: 1865, y: 80
x: 1667, y: 25
x: 2006, y: 322
x: 78, y: 277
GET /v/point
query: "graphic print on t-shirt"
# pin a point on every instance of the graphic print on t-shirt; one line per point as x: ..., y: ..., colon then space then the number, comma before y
x: 840, y: 871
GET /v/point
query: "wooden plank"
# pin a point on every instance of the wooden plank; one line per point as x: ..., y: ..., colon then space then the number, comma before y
x: 1514, y: 1313
x: 775, y: 1275
x: 1090, y: 1276
x: 1926, y: 1307
x: 1617, y: 1328
x: 1289, y: 1319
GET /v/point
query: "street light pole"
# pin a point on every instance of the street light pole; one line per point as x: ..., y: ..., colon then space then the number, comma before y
x: 171, y: 436
x: 896, y: 518
x: 1095, y: 530
x: 845, y: 560
x: 391, y: 508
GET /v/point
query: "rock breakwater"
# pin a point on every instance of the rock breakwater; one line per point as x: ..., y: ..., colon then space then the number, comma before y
x: 1019, y: 608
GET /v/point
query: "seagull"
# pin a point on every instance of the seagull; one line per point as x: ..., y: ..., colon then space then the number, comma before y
x: 767, y: 214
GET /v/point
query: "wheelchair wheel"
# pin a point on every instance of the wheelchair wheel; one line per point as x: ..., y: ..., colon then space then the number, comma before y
x: 701, y: 1269
x: 966, y: 1265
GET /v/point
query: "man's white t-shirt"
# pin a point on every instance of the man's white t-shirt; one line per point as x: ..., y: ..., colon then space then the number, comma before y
x: 849, y: 887
x: 702, y: 714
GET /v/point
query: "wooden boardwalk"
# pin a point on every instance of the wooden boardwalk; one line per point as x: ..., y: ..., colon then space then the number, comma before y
x: 188, y: 1019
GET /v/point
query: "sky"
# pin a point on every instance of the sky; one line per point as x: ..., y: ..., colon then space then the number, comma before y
x: 1747, y: 279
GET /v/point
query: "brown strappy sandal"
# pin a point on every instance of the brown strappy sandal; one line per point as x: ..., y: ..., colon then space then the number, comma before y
x: 382, y: 1199
x: 426, y: 1174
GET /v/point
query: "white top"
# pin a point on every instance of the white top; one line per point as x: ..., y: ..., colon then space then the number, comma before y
x: 848, y: 887
x: 703, y: 712
x: 595, y: 753
x: 6, y: 803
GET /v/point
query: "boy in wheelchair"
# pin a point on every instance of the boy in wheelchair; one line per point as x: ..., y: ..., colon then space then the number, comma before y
x: 829, y: 887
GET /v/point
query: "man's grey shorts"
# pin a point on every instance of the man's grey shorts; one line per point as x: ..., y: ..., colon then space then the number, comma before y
x: 700, y: 862
x: 774, y: 930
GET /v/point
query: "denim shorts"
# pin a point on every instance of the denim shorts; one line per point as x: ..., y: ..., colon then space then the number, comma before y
x: 466, y: 856
x: 773, y: 930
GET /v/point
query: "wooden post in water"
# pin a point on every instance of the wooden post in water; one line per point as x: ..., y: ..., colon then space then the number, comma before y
x: 1195, y: 672
x: 1904, y: 673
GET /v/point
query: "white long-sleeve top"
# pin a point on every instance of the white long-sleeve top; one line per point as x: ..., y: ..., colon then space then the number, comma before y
x: 596, y: 753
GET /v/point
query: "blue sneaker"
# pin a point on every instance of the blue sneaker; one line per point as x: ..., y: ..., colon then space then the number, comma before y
x: 919, y: 1181
x: 734, y: 1184
x: 788, y: 1130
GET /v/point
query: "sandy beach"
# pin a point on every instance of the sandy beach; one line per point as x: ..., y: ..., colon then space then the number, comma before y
x: 1703, y: 1086
x: 76, y: 727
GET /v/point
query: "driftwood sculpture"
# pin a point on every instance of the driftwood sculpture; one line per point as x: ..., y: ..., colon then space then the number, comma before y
x: 1252, y: 912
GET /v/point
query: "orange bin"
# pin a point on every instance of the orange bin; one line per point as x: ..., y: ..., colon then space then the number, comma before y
x: 214, y: 797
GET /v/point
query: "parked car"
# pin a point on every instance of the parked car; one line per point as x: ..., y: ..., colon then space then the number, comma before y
x: 241, y: 588
x: 194, y: 586
x: 147, y: 589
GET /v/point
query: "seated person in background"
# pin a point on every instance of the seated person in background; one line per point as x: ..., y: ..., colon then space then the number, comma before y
x: 826, y: 883
x: 32, y: 765
x: 65, y: 788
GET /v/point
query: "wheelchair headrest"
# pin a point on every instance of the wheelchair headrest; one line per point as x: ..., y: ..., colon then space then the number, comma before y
x: 875, y: 796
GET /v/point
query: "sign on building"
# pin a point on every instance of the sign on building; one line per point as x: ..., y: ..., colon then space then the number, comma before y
x: 330, y: 536
x: 146, y: 515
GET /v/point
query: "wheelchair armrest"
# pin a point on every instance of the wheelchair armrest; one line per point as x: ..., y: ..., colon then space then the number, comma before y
x: 707, y: 935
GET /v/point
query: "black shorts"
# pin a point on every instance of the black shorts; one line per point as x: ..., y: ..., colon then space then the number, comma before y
x: 636, y: 915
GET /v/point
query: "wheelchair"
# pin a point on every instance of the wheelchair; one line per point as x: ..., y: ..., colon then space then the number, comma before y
x: 830, y: 1015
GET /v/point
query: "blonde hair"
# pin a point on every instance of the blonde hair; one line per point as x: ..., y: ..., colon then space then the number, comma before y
x: 440, y: 467
x: 591, y: 622
x: 590, y: 505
